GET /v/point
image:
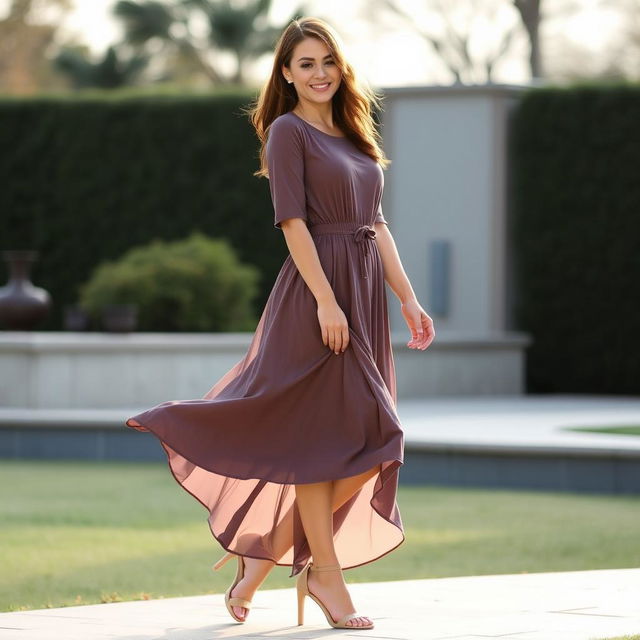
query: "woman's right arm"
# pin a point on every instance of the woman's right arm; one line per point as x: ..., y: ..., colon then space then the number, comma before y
x: 333, y: 322
x: 285, y: 158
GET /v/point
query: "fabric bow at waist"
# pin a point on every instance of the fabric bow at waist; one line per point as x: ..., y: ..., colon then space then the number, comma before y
x: 362, y: 234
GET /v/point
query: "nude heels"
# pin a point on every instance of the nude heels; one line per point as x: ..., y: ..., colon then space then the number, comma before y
x: 302, y: 588
x: 228, y: 600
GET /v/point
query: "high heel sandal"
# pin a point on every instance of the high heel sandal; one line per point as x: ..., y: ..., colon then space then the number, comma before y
x: 302, y: 588
x: 228, y: 600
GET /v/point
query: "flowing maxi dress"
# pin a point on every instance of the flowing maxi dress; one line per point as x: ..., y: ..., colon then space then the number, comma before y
x: 291, y: 411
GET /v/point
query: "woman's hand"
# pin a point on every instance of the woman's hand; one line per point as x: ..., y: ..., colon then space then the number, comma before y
x: 420, y: 324
x: 333, y: 325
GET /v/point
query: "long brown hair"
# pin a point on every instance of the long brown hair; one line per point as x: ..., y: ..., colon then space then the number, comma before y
x: 351, y: 104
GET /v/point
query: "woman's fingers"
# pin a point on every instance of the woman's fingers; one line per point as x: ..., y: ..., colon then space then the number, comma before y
x: 420, y: 325
x: 340, y: 343
x: 337, y: 345
x: 334, y: 327
x: 337, y: 338
x: 429, y: 333
x: 345, y: 338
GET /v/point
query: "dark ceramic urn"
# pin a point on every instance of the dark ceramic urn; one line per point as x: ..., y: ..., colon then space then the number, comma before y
x: 22, y: 305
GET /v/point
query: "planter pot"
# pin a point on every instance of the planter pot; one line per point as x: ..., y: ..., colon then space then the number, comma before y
x: 76, y: 318
x: 119, y: 318
x: 22, y: 305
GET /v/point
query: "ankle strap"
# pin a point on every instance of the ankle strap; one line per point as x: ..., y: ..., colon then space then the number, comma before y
x: 332, y: 567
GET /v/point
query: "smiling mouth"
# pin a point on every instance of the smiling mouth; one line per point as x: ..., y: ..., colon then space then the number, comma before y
x: 320, y: 87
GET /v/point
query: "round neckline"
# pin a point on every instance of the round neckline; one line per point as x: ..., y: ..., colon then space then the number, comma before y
x: 324, y: 133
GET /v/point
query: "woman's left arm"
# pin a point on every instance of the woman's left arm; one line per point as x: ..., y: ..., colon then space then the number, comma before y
x: 419, y: 322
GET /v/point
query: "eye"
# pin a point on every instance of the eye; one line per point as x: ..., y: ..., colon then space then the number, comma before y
x: 307, y: 64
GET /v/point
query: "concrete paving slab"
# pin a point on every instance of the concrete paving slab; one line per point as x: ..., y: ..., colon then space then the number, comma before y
x: 575, y: 605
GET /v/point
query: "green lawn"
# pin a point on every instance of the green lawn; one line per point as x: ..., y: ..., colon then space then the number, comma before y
x: 626, y: 430
x: 85, y: 532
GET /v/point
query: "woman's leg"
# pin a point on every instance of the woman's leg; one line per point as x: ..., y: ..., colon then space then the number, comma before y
x: 343, y: 490
x: 257, y: 570
x: 315, y: 506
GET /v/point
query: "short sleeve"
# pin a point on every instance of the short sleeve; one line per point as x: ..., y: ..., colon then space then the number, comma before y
x: 380, y: 216
x: 285, y: 163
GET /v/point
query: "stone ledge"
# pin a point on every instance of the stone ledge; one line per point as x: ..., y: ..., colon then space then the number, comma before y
x: 79, y: 341
x: 92, y: 420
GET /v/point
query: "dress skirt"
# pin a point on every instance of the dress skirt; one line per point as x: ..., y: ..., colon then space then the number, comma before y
x: 291, y: 412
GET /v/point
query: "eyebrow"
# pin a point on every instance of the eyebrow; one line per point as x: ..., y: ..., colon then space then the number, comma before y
x: 308, y: 58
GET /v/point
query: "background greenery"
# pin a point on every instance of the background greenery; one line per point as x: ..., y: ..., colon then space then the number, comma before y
x: 88, y: 532
x: 195, y: 284
x: 84, y: 179
x: 575, y: 200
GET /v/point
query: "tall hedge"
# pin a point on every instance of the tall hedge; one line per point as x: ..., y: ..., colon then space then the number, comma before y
x: 83, y: 179
x: 575, y: 158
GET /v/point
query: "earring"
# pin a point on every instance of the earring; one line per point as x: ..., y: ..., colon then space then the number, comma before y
x: 289, y: 81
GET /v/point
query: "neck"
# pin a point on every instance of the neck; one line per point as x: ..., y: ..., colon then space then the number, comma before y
x: 315, y: 113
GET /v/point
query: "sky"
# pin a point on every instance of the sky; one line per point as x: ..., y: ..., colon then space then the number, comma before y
x: 383, y: 49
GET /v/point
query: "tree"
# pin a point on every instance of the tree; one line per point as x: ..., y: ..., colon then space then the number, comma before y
x: 623, y: 59
x: 617, y: 59
x: 108, y: 73
x: 530, y: 16
x: 453, y: 45
x: 24, y: 39
x: 241, y: 30
x: 149, y: 22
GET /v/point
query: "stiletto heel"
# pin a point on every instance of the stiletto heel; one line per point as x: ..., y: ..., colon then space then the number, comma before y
x: 301, y: 595
x: 302, y: 589
x: 222, y: 561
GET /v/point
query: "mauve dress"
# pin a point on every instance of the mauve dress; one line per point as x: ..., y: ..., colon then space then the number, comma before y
x: 291, y: 411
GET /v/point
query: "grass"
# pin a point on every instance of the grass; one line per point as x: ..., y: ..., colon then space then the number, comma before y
x: 627, y: 430
x: 85, y: 532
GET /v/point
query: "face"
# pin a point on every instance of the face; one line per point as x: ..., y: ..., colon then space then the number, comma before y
x: 312, y: 64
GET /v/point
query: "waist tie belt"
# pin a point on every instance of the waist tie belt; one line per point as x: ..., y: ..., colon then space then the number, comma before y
x: 362, y: 234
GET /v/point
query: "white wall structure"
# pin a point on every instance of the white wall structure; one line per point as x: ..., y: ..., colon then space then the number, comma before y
x: 446, y: 203
x: 96, y: 370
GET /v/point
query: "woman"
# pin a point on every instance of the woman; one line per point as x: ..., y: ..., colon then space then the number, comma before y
x: 295, y: 451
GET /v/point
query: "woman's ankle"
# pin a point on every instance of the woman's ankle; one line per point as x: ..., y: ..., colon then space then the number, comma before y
x: 325, y: 563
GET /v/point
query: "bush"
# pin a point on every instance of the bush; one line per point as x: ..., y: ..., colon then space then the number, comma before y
x: 194, y: 284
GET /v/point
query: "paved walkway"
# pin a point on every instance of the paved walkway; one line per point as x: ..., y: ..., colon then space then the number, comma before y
x: 537, y: 422
x: 576, y: 605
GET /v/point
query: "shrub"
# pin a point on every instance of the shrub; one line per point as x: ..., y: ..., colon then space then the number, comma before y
x: 194, y: 284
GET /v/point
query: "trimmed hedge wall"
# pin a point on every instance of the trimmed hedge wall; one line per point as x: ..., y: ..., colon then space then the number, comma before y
x: 82, y: 179
x: 575, y: 194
